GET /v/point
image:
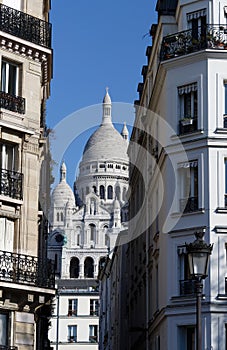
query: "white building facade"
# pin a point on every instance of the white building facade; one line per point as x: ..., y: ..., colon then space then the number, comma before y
x: 181, y: 125
x: 84, y: 229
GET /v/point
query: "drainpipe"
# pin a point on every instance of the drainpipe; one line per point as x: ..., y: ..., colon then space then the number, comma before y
x: 57, y: 330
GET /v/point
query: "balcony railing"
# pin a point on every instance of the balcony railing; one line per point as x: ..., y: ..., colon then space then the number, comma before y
x: 25, y: 26
x: 187, y: 127
x: 11, y: 184
x: 187, y: 287
x: 26, y: 269
x: 12, y: 103
x: 188, y: 205
x: 188, y: 41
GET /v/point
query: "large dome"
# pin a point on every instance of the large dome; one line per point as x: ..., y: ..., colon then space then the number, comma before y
x: 106, y: 143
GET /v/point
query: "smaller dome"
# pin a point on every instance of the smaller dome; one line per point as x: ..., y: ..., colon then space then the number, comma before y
x: 63, y: 194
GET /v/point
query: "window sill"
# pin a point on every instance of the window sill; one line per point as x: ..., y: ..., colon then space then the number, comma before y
x: 220, y: 229
x: 179, y: 214
x: 222, y: 297
x: 188, y: 134
x: 221, y: 210
x: 221, y: 131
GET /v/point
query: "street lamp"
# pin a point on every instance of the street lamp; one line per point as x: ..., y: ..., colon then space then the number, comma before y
x: 198, y: 260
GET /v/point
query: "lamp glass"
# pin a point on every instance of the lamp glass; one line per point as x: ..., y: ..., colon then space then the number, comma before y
x: 198, y: 263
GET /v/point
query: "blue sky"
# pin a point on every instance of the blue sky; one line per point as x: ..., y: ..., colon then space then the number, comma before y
x: 95, y: 44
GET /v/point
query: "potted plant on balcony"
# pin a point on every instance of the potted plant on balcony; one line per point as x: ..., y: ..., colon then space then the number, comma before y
x: 187, y: 121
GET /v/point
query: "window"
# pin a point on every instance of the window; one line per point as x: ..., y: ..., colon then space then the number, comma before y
x: 102, y: 192
x: 93, y: 334
x: 92, y: 229
x: 188, y: 186
x: 74, y: 268
x: 3, y: 329
x: 188, y: 107
x: 186, y: 284
x: 225, y: 196
x: 72, y: 334
x: 94, y: 307
x: 110, y: 192
x: 72, y: 307
x: 6, y: 234
x: 187, y: 338
x: 89, y: 268
x: 8, y: 156
x: 9, y: 81
x: 197, y: 24
x: 118, y: 192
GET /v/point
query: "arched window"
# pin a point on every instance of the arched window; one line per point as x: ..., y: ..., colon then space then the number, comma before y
x: 110, y: 192
x: 74, y: 268
x: 58, y: 217
x: 124, y: 193
x: 89, y: 268
x: 118, y: 192
x: 78, y: 235
x: 92, y: 232
x: 102, y: 192
x: 62, y: 218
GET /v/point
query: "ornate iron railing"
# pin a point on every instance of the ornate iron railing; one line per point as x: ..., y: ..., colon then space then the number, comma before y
x: 188, y: 41
x: 187, y: 287
x: 12, y: 103
x: 11, y: 184
x: 186, y: 127
x: 189, y: 204
x: 25, y: 26
x: 26, y: 269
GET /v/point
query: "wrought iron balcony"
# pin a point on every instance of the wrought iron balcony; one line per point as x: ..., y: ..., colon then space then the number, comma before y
x: 25, y: 26
x: 12, y: 103
x: 26, y: 269
x: 188, y: 205
x: 188, y: 41
x: 11, y: 184
x: 188, y: 126
x: 187, y: 287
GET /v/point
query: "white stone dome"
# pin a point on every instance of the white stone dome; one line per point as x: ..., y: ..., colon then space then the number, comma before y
x: 63, y: 193
x: 105, y: 143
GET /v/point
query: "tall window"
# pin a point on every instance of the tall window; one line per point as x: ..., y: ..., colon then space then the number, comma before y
x: 102, y: 192
x: 225, y: 196
x: 93, y: 334
x: 188, y: 101
x: 187, y: 338
x: 3, y: 329
x: 94, y: 307
x: 89, y: 267
x: 6, y: 234
x: 72, y: 307
x: 225, y: 99
x: 188, y: 173
x: 110, y: 192
x: 197, y: 23
x: 9, y: 81
x: 118, y: 193
x: 186, y: 284
x: 72, y: 334
x: 74, y: 268
x: 8, y: 156
x: 92, y: 232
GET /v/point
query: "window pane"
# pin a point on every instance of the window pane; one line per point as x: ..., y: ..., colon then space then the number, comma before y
x: 3, y: 329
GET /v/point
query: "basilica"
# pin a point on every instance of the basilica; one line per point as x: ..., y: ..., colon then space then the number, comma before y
x: 85, y: 222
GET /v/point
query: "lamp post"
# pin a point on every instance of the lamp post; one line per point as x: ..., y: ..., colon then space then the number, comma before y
x: 198, y: 259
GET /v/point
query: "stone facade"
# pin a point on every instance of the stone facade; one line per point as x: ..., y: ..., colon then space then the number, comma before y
x: 26, y: 279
